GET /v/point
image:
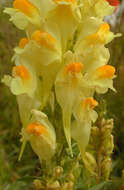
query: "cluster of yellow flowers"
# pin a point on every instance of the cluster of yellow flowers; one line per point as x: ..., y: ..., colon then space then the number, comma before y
x: 62, y: 55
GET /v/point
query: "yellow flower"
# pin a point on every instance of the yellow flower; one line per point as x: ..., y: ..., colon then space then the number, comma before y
x: 43, y: 47
x: 81, y: 127
x: 41, y: 135
x: 26, y: 13
x: 84, y: 111
x: 96, y: 35
x: 44, y: 39
x: 46, y: 58
x: 22, y: 80
x: 63, y: 20
x: 26, y: 7
x: 102, y: 36
x: 68, y: 80
x: 101, y: 79
x: 96, y: 8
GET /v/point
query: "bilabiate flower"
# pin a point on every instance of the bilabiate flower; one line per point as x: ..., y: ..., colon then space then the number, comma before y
x: 101, y: 79
x: 28, y: 13
x: 96, y: 8
x: 64, y: 20
x: 23, y: 80
x: 84, y: 116
x: 41, y: 135
x: 68, y: 80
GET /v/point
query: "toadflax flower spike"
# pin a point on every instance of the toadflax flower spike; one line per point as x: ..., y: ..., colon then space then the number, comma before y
x: 63, y: 53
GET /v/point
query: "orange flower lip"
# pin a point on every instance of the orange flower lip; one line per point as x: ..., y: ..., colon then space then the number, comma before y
x: 104, y: 28
x: 44, y: 38
x: 26, y: 7
x: 105, y: 72
x: 75, y: 67
x: 36, y: 129
x: 99, y: 36
x: 91, y: 102
x: 22, y: 72
x: 23, y: 42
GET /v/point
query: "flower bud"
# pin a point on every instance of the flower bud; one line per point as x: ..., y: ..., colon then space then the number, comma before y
x: 90, y: 163
x: 106, y: 167
x: 90, y: 159
x: 94, y: 138
x: 53, y: 186
x: 38, y: 184
x: 70, y: 177
x: 107, y: 129
x: 68, y: 186
x: 58, y: 171
x: 108, y: 145
x: 94, y: 131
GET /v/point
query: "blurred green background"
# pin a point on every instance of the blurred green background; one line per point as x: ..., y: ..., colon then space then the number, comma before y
x: 16, y: 175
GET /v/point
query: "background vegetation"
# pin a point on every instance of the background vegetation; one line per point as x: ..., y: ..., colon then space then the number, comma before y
x: 16, y: 175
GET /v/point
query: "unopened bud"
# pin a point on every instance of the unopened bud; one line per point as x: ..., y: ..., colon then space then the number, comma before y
x: 58, y: 171
x: 103, y: 122
x: 68, y: 186
x: 53, y: 186
x: 108, y: 145
x: 94, y: 138
x: 90, y: 159
x: 75, y: 171
x: 110, y: 122
x: 38, y: 184
x: 95, y: 131
x: 106, y: 167
x: 108, y: 126
x: 76, y: 166
x: 70, y: 177
x: 106, y: 130
x: 90, y: 162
